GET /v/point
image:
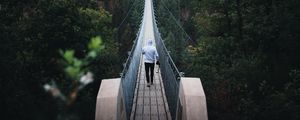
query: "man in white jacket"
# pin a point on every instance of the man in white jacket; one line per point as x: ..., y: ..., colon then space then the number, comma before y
x: 150, y: 57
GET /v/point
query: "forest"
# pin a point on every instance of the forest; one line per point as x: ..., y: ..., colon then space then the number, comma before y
x: 54, y: 54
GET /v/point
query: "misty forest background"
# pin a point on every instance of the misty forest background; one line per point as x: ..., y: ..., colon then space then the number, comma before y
x: 246, y: 52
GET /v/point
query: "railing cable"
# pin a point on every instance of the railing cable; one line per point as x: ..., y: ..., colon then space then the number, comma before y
x: 177, y: 23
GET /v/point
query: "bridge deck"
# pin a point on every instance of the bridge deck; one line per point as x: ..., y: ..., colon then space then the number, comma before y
x: 150, y: 102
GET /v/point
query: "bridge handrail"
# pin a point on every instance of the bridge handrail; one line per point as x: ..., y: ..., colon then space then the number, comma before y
x: 130, y: 71
x: 127, y: 62
x: 157, y: 33
x: 171, y: 79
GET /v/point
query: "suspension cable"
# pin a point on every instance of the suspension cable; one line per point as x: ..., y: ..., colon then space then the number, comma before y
x: 177, y: 23
x: 130, y: 9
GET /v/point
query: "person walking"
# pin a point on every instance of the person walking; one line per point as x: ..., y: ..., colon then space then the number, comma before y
x: 150, y: 57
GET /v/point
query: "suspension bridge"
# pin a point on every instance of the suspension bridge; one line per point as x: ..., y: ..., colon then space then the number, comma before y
x: 172, y: 96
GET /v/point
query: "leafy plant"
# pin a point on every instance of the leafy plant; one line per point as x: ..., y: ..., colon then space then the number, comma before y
x: 77, y: 70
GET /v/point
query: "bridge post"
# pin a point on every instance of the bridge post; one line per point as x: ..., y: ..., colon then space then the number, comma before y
x: 192, y: 101
x: 110, y: 101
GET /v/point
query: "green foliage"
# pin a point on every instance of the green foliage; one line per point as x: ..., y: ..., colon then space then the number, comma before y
x: 95, y: 47
x: 31, y: 34
x: 246, y: 54
x: 95, y: 44
x: 68, y: 55
x: 75, y: 67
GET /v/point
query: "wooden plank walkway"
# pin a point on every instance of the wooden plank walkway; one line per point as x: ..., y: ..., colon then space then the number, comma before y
x: 150, y: 102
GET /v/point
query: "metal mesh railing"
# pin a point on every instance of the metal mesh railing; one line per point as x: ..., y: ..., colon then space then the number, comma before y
x: 170, y: 76
x: 130, y: 72
x: 169, y: 72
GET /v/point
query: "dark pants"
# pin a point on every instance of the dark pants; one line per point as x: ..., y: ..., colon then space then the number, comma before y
x: 151, y: 67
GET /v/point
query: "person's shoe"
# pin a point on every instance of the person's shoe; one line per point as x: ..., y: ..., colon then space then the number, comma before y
x: 151, y: 83
x: 148, y: 85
